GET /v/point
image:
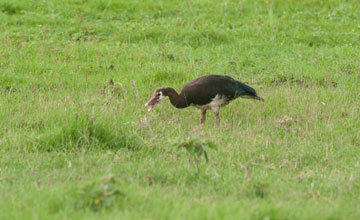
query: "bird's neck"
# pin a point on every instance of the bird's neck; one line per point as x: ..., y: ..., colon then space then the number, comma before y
x: 176, y: 100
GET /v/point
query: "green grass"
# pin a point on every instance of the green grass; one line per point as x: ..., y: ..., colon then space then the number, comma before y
x: 74, y: 147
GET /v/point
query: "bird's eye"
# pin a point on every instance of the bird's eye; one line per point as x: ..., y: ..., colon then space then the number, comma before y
x: 158, y: 94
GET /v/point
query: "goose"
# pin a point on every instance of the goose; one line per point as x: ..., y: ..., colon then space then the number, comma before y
x: 210, y: 92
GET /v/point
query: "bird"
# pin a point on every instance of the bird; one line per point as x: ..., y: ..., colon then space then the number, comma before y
x: 209, y: 92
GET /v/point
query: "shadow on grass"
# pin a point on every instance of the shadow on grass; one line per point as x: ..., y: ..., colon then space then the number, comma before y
x: 257, y: 190
x: 10, y: 9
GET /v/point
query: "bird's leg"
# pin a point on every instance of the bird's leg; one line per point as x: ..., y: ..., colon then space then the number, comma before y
x: 203, y: 116
x: 217, y: 120
x: 217, y: 111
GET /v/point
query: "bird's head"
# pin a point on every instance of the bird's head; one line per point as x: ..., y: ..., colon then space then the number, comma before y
x: 156, y: 98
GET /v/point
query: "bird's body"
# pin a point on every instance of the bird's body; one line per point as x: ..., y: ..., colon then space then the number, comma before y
x: 206, y: 92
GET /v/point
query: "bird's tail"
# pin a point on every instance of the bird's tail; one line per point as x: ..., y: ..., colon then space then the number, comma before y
x: 258, y: 98
x: 252, y: 96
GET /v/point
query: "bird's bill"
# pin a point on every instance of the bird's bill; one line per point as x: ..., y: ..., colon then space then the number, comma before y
x: 149, y: 107
x: 155, y: 99
x: 150, y: 104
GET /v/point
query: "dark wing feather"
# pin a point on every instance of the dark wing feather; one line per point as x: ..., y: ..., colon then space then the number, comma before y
x: 241, y: 89
x: 201, y: 91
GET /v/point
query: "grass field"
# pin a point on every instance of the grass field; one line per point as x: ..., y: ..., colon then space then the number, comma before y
x: 72, y: 146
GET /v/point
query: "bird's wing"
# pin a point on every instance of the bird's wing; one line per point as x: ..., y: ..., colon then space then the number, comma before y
x: 201, y: 91
x: 241, y: 89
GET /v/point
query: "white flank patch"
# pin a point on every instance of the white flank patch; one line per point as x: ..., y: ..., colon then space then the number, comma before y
x: 217, y: 102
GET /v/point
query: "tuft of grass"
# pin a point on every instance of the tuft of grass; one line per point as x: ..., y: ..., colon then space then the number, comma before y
x: 102, y: 194
x: 10, y: 8
x: 83, y: 132
x: 196, y: 149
